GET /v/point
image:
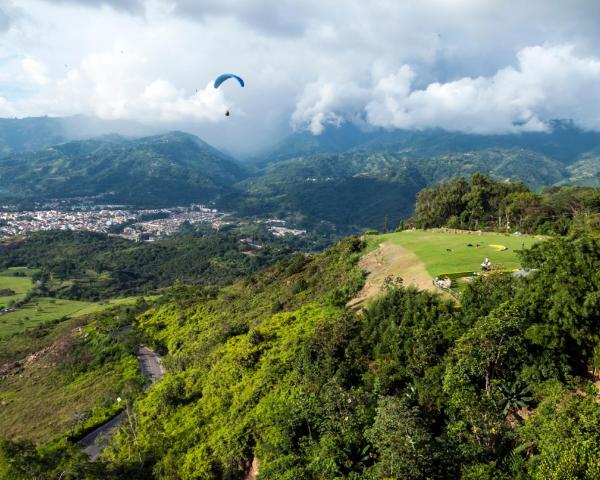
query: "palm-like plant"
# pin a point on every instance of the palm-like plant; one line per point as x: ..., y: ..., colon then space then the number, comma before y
x: 514, y: 395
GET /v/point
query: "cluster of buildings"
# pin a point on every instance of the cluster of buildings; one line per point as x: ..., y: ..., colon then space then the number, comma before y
x: 20, y: 222
x: 278, y: 229
x: 161, y: 227
x: 139, y: 223
x: 147, y: 224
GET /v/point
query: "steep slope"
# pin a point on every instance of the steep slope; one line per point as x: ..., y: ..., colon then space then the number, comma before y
x: 585, y: 171
x: 532, y: 168
x: 358, y: 190
x: 353, y: 179
x: 275, y: 371
x: 167, y: 169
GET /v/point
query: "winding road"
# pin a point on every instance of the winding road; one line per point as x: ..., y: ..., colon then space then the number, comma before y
x: 94, y: 442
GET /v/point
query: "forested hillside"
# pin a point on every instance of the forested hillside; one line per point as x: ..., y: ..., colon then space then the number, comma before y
x: 307, y: 178
x: 92, y: 266
x: 164, y: 170
x: 343, y: 193
x: 353, y: 191
x: 276, y: 371
x: 563, y: 142
x: 337, y: 183
x: 480, y: 203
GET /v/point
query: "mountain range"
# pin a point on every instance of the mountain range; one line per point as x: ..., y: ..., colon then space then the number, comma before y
x: 343, y: 180
x: 168, y: 169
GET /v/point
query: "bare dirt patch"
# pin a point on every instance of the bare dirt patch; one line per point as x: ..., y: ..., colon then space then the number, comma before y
x: 252, y: 472
x: 388, y: 260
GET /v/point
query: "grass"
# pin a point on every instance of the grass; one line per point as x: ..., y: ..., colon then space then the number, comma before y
x: 21, y: 270
x: 60, y: 378
x: 44, y: 310
x: 44, y: 401
x: 20, y: 285
x: 431, y: 246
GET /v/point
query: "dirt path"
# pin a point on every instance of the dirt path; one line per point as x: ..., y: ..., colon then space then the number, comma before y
x: 391, y: 259
x: 252, y: 473
x: 94, y: 442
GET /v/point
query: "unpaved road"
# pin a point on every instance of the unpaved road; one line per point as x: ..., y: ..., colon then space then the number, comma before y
x: 94, y: 442
x: 391, y: 259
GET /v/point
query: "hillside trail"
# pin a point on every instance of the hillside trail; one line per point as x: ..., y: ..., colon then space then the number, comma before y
x: 391, y: 259
x: 94, y: 442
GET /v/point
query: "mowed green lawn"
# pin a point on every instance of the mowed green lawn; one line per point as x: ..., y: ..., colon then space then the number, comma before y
x: 41, y: 310
x: 431, y: 246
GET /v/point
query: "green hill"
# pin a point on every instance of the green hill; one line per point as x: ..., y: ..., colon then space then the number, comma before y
x: 282, y: 370
x: 275, y: 371
x: 358, y: 190
x: 167, y: 169
x: 563, y: 142
x: 340, y: 193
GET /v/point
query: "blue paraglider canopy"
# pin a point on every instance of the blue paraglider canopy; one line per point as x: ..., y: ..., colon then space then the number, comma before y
x: 221, y: 78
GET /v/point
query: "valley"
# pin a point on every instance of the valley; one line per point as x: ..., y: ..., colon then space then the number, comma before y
x: 287, y: 347
x: 339, y: 183
x: 299, y: 240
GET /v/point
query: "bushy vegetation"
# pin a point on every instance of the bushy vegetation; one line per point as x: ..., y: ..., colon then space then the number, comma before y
x: 91, y: 266
x: 62, y: 379
x: 415, y: 387
x: 481, y: 203
x: 276, y: 368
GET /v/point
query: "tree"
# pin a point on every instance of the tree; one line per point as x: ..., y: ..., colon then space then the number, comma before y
x: 401, y: 441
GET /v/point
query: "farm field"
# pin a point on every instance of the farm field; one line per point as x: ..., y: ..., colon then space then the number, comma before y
x: 443, y: 252
x: 42, y: 310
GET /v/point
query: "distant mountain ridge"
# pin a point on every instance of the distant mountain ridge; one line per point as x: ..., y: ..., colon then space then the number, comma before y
x: 384, y: 169
x: 30, y: 134
x: 563, y: 142
x: 166, y: 169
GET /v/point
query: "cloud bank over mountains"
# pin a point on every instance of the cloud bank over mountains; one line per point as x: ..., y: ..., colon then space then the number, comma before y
x: 467, y: 65
x: 547, y: 83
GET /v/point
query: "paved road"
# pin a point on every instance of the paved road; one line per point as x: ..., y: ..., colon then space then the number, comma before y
x: 93, y: 443
x: 150, y: 364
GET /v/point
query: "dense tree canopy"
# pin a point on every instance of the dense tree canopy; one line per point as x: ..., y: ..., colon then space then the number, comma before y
x: 481, y: 203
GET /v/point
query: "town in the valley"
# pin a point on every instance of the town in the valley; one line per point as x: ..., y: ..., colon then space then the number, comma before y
x: 132, y: 224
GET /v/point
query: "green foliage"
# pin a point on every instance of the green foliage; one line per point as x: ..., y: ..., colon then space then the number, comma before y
x: 90, y: 266
x: 163, y: 170
x: 482, y: 203
x: 62, y: 379
x: 401, y: 440
x: 275, y: 367
x: 23, y: 461
x: 564, y: 436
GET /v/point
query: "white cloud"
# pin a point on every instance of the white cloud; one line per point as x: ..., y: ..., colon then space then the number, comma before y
x: 547, y: 83
x: 461, y: 64
x: 6, y: 109
x: 34, y: 70
x: 327, y: 103
x: 114, y: 85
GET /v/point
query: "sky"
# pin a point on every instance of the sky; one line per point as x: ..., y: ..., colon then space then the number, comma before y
x: 478, y: 66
